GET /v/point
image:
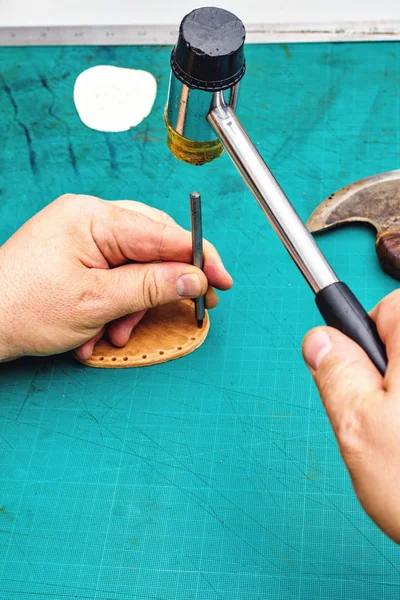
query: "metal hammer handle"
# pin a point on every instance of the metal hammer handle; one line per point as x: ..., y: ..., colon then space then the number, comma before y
x: 292, y: 232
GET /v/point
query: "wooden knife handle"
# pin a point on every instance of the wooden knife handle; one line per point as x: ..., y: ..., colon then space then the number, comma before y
x: 388, y: 250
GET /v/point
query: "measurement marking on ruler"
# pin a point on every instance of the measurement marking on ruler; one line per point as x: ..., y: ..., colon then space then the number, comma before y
x: 131, y: 35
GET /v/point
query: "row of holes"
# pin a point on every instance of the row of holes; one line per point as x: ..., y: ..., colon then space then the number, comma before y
x: 114, y: 358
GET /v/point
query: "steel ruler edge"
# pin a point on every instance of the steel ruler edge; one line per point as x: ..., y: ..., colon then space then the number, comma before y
x: 132, y: 35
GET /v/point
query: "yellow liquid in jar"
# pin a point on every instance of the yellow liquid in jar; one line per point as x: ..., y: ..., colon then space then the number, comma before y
x: 188, y: 151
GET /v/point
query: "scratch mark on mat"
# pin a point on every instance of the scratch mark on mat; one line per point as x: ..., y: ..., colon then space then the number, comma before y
x: 201, y: 503
x: 340, y: 511
x: 130, y: 452
x: 111, y: 152
x: 200, y: 572
x: 31, y: 391
x: 71, y: 151
x: 279, y: 506
x: 241, y: 393
x: 72, y: 591
x: 31, y: 152
x: 271, y: 314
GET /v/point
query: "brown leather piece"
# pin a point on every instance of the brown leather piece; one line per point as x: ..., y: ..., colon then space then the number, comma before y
x: 165, y: 333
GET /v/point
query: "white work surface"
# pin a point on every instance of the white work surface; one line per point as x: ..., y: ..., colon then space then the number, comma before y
x: 158, y: 12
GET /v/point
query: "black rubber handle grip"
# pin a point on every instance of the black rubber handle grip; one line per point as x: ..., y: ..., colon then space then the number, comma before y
x: 340, y: 309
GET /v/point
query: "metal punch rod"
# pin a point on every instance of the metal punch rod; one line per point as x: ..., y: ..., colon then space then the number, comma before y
x: 270, y: 196
x: 197, y: 249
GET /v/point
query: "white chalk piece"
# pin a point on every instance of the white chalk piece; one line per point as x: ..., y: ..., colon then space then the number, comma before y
x: 114, y: 99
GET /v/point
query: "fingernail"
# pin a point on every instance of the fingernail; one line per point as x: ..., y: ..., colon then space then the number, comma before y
x: 188, y: 286
x: 316, y: 346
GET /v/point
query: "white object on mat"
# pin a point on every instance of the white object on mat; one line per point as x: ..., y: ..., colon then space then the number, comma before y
x: 114, y: 99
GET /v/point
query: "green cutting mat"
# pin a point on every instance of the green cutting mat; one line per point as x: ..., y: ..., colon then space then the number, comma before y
x: 215, y: 476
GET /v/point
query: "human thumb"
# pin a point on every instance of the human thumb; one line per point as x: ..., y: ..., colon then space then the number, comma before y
x: 135, y: 287
x: 341, y: 370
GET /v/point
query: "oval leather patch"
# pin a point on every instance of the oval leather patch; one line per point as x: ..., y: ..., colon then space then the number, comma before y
x: 165, y: 333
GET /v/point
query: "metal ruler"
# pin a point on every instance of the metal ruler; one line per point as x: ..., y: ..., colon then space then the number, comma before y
x: 130, y: 35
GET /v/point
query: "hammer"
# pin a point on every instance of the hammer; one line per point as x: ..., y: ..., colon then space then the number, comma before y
x: 207, y: 65
x: 374, y: 200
